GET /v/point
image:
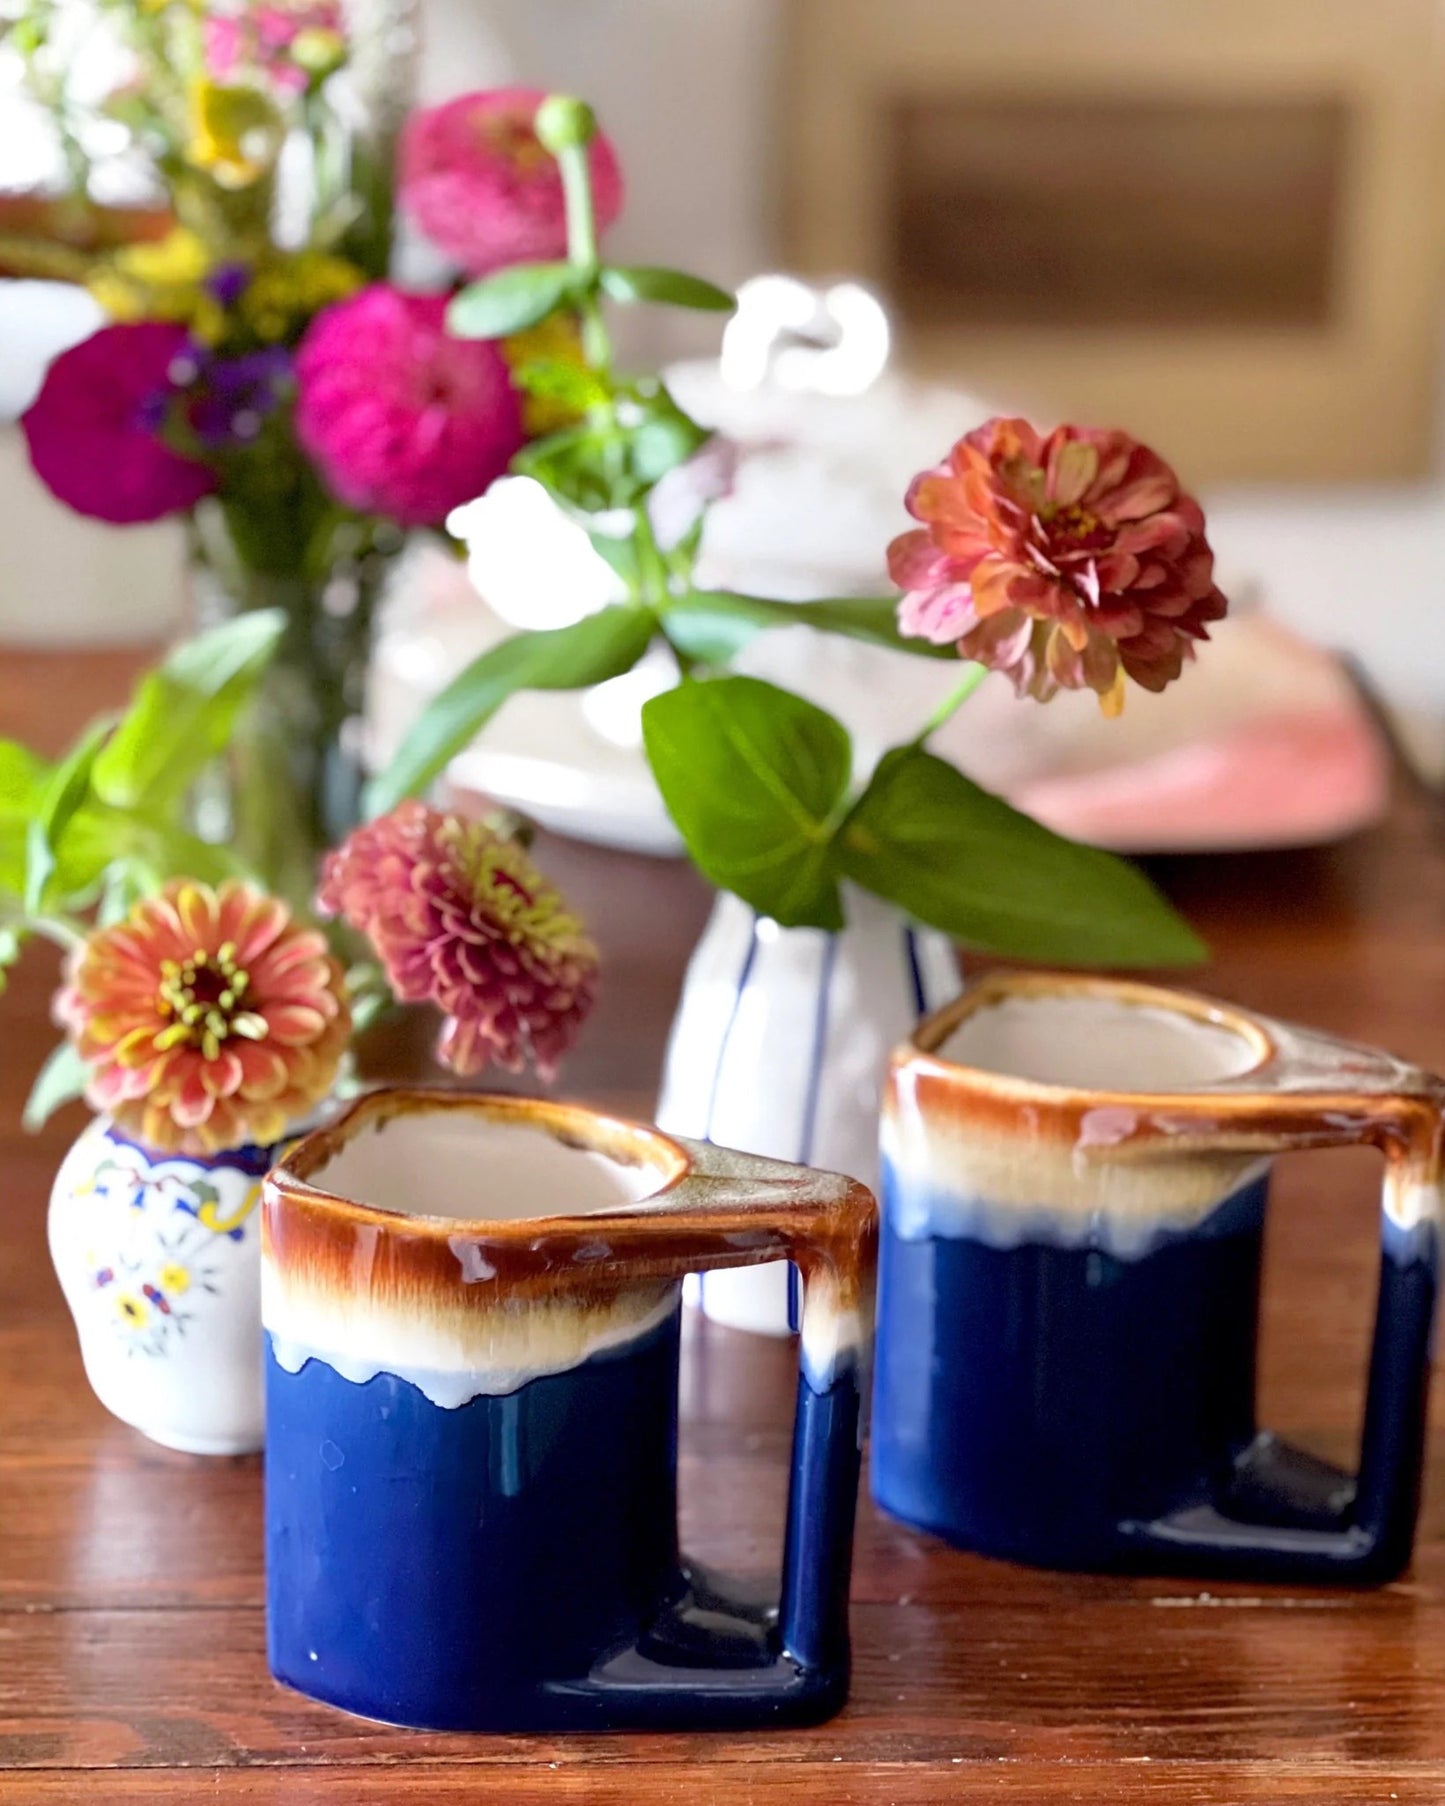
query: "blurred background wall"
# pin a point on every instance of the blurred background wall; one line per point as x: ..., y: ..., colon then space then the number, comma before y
x: 1218, y: 222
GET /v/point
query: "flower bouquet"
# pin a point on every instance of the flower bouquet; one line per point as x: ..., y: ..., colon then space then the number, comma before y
x: 1068, y: 560
x: 207, y: 1019
x: 260, y: 377
x: 1065, y: 560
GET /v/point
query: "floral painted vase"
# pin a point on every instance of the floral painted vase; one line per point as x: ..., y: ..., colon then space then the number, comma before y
x: 159, y: 1259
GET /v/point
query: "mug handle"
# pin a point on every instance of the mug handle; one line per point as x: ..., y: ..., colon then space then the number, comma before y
x: 714, y: 1652
x: 1283, y: 1508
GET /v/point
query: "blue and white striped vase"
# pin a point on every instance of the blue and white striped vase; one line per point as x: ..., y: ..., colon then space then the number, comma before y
x: 780, y: 1047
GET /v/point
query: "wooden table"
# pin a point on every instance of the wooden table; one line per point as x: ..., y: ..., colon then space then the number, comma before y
x: 131, y: 1622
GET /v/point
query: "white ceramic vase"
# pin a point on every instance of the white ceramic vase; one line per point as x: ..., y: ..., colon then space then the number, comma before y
x: 780, y: 1046
x: 159, y: 1258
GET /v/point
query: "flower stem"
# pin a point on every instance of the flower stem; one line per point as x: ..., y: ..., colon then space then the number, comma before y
x: 955, y: 700
x: 572, y: 160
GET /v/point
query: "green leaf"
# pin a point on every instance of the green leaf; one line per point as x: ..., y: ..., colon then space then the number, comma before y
x: 149, y: 851
x: 713, y: 626
x: 61, y: 1080
x: 664, y: 439
x: 576, y: 464
x: 183, y: 712
x: 620, y: 554
x: 673, y: 288
x: 754, y: 778
x: 65, y: 793
x: 573, y: 386
x: 563, y: 658
x: 23, y: 778
x: 510, y: 300
x: 951, y: 854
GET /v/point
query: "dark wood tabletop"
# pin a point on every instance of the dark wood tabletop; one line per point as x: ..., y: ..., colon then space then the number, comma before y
x: 132, y: 1662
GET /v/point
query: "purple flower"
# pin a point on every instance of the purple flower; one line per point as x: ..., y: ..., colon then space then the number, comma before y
x: 233, y: 395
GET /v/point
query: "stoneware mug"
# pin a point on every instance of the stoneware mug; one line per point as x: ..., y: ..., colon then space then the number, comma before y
x: 471, y: 1311
x: 1074, y: 1176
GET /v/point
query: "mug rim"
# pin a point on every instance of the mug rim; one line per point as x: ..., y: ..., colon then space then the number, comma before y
x: 576, y: 1125
x: 922, y: 1045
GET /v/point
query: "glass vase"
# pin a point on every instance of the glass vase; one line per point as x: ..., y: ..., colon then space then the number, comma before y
x: 290, y: 786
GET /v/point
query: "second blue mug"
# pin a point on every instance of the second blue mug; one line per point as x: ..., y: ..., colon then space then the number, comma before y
x: 471, y: 1311
x: 1073, y: 1201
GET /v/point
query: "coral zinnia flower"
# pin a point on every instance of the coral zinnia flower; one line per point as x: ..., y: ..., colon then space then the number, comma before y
x: 402, y: 419
x: 463, y: 919
x: 210, y: 1018
x: 478, y: 182
x: 94, y: 430
x: 1069, y: 562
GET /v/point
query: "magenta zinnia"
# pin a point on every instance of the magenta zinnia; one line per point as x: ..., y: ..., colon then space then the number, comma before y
x: 462, y: 918
x: 210, y: 1018
x: 95, y: 429
x: 1073, y: 562
x: 401, y: 418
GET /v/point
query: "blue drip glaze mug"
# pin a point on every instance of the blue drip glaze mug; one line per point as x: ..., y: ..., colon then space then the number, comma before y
x: 1073, y: 1195
x: 471, y: 1313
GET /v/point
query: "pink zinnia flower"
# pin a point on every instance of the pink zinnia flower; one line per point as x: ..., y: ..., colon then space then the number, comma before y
x: 1069, y: 562
x: 209, y: 1017
x: 462, y: 918
x: 401, y: 418
x: 94, y: 429
x: 273, y: 39
x: 479, y: 184
x: 223, y: 43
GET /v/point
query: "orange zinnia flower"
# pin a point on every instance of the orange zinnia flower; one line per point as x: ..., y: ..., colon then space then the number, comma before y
x: 1068, y: 562
x: 210, y: 1018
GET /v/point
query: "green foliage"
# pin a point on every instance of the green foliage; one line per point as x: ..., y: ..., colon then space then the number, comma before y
x: 61, y: 799
x: 608, y: 461
x: 572, y: 386
x: 564, y: 658
x: 713, y: 626
x: 107, y: 823
x: 758, y: 780
x: 672, y: 288
x: 754, y: 778
x: 184, y: 712
x: 61, y: 1080
x: 951, y: 854
x: 510, y: 300
x: 23, y: 777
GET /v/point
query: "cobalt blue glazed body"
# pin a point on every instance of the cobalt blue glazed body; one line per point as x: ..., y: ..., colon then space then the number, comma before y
x: 472, y: 1422
x: 1069, y: 1285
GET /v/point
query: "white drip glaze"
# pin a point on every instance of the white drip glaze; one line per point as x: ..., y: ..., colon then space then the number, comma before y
x: 500, y: 1349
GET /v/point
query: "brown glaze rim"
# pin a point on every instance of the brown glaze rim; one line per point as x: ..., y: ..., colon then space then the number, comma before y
x: 718, y: 1208
x: 574, y: 1125
x: 920, y: 1051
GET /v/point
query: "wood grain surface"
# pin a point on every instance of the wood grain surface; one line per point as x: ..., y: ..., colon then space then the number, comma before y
x: 131, y: 1589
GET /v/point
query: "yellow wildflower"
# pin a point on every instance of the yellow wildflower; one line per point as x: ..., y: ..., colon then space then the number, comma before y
x: 161, y: 280
x: 236, y: 133
x: 289, y: 288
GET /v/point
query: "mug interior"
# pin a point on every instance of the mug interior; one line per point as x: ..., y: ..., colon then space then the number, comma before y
x: 470, y: 1167
x: 1099, y: 1043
